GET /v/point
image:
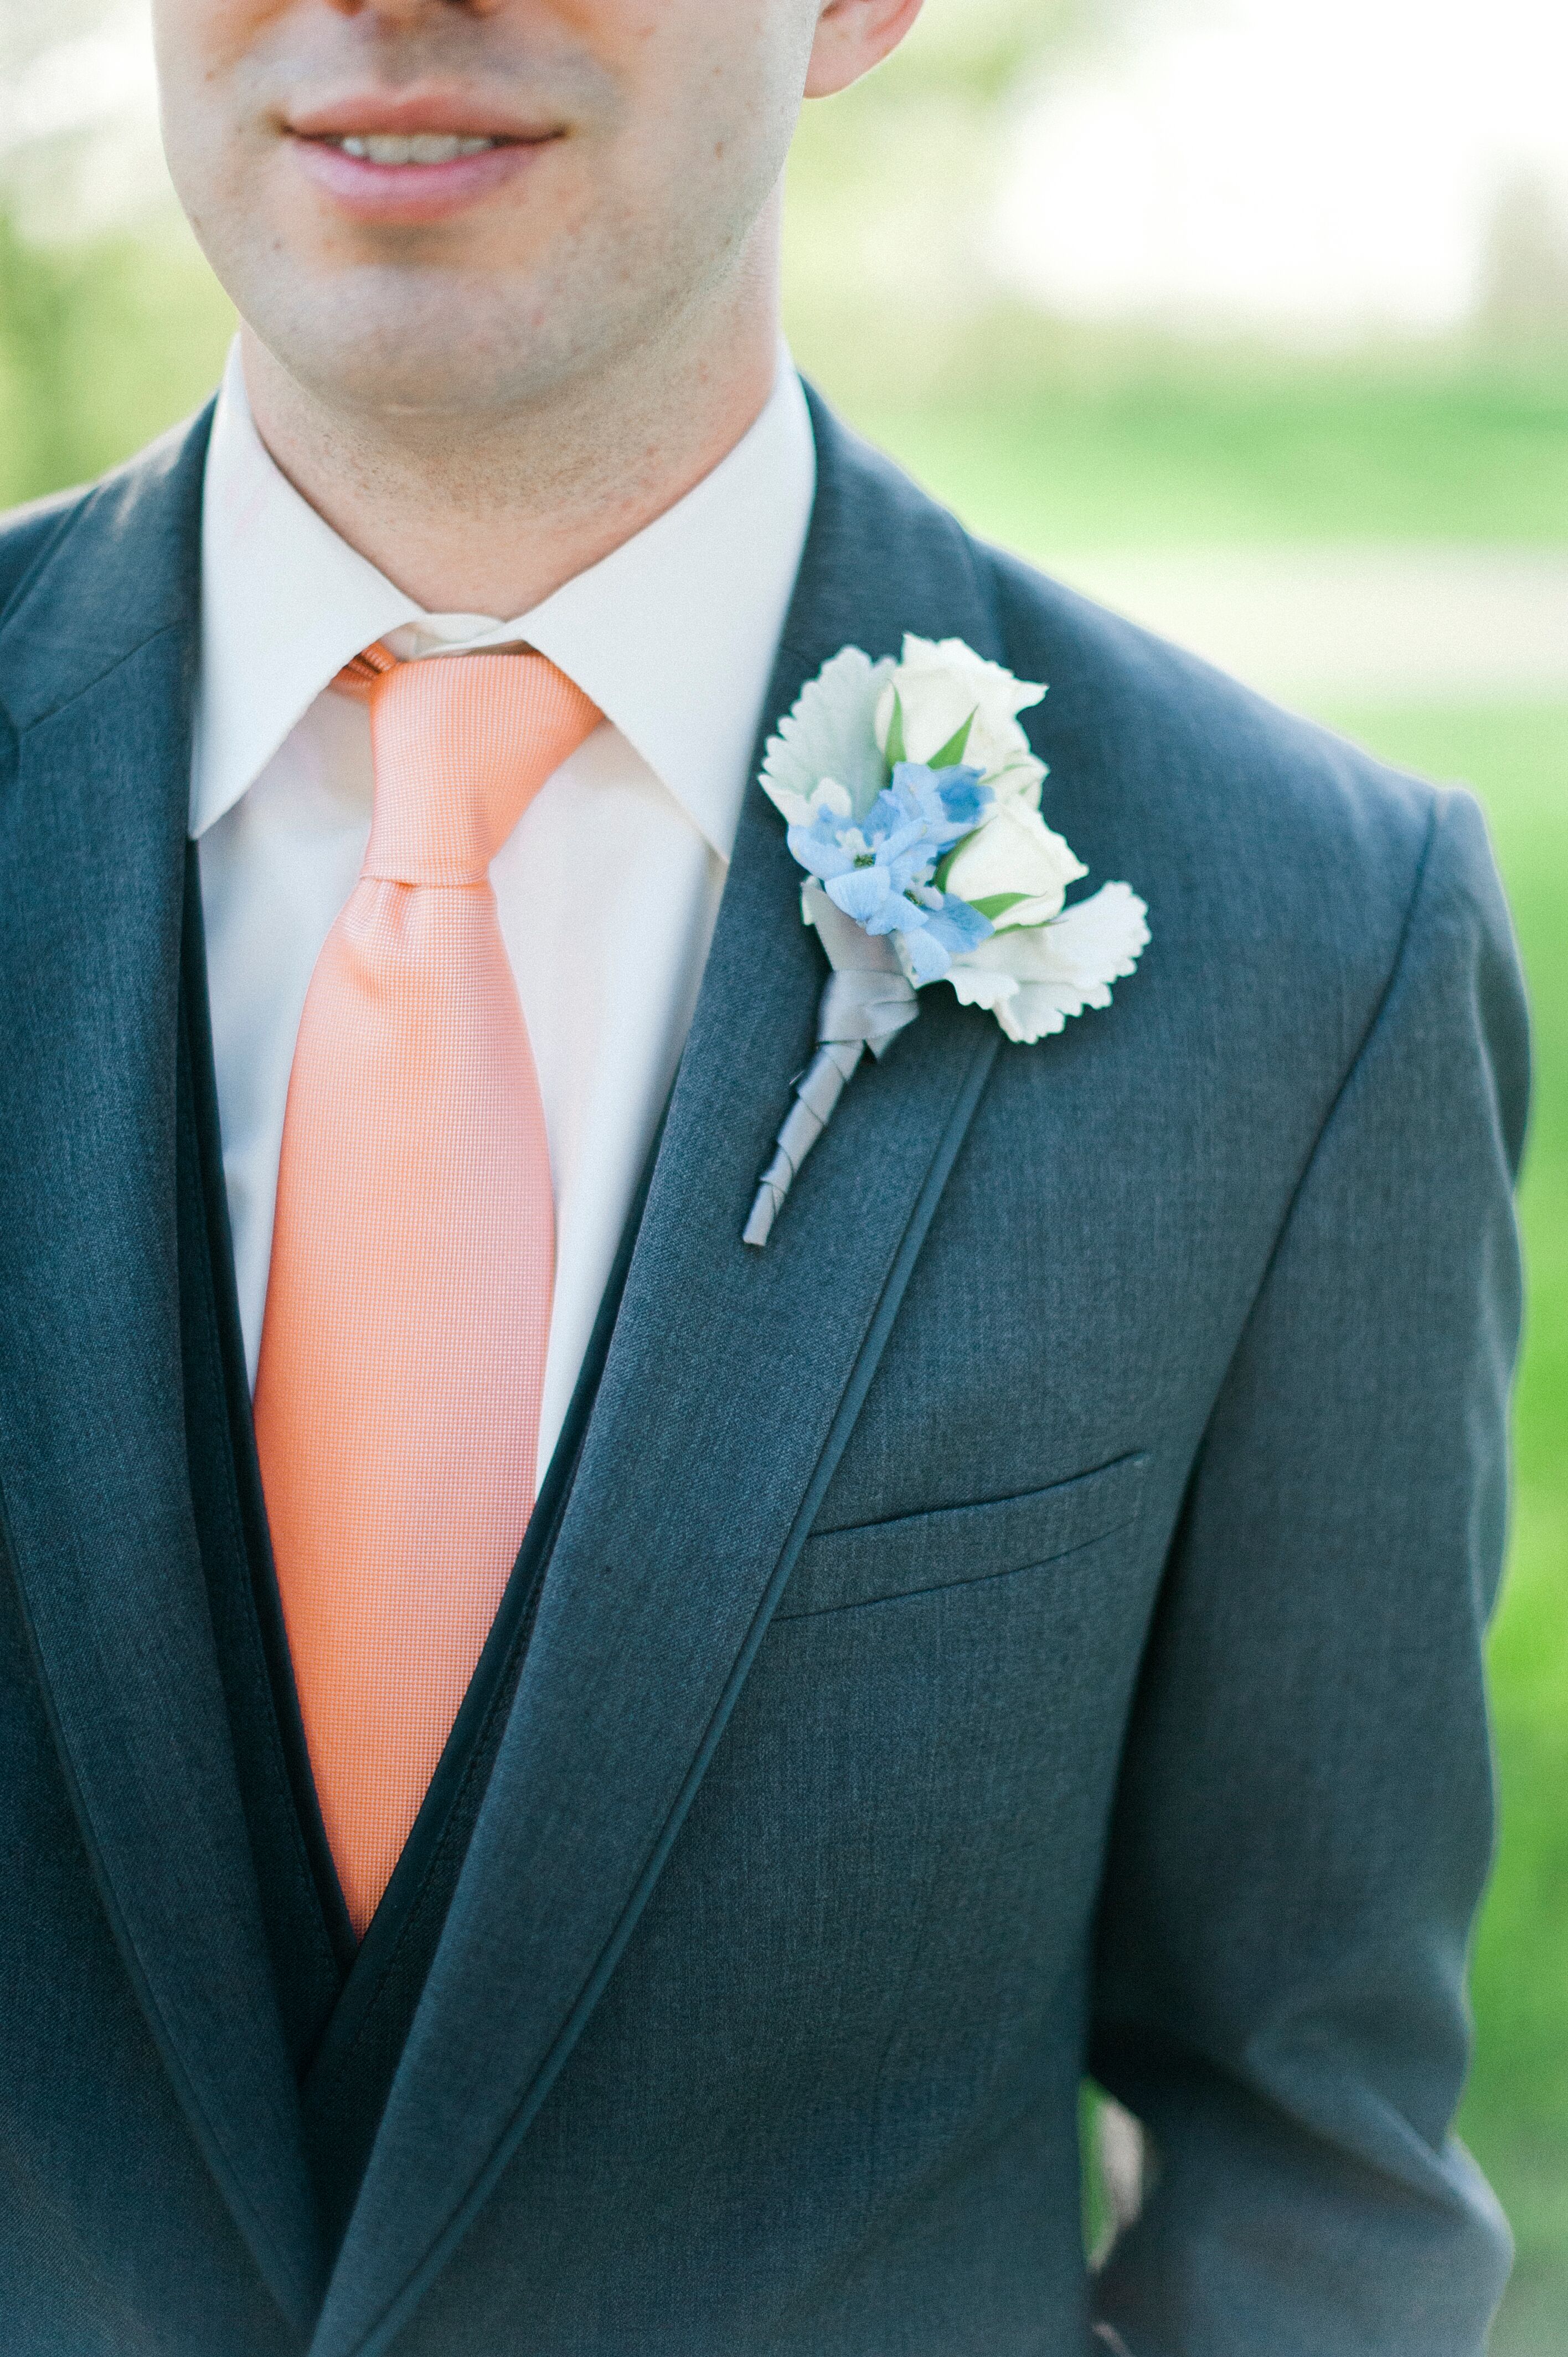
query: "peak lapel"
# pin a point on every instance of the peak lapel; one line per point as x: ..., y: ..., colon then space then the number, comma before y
x: 733, y: 1381
x: 96, y: 662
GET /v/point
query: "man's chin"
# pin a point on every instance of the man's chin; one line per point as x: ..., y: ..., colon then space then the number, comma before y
x: 396, y: 343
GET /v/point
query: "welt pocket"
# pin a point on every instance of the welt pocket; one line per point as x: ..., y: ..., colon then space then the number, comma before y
x: 955, y: 1544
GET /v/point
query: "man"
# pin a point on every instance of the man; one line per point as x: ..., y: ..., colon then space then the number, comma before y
x: 1023, y: 1621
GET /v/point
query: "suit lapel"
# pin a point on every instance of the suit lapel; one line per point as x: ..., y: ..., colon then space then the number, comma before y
x: 97, y: 656
x: 731, y: 1385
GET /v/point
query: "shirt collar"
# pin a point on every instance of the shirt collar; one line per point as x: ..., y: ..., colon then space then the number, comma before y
x: 673, y: 635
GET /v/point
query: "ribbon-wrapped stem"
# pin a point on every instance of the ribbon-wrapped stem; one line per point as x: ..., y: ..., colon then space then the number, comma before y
x: 817, y: 1092
x: 866, y: 1001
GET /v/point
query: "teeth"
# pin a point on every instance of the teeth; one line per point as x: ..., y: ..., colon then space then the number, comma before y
x: 422, y: 147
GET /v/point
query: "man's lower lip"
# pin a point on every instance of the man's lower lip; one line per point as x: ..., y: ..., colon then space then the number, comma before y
x: 411, y: 192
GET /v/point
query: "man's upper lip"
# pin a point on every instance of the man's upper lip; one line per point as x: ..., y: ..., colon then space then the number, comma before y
x: 410, y: 111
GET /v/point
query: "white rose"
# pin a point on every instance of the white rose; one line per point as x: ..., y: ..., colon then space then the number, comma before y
x: 1032, y: 980
x: 939, y: 687
x: 1019, y: 784
x: 1015, y: 852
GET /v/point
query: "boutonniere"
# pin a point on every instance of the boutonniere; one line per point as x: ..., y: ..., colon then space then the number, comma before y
x: 913, y: 803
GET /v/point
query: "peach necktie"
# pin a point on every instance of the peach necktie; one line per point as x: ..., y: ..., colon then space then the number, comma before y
x: 408, y: 1301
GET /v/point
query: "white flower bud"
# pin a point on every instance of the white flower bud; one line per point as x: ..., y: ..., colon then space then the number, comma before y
x: 941, y: 686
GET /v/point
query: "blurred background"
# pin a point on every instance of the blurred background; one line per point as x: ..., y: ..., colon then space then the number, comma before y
x: 1249, y: 316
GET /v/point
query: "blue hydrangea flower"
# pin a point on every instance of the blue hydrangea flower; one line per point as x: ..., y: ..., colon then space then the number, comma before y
x: 878, y: 869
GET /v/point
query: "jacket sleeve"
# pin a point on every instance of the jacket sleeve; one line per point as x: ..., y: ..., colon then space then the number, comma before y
x: 1304, y: 1820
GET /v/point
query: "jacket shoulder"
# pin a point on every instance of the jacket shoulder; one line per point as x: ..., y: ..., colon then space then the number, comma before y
x: 154, y: 495
x: 1282, y: 865
x: 87, y: 575
x: 28, y: 533
x: 1203, y: 759
x: 1289, y: 874
x: 1147, y: 744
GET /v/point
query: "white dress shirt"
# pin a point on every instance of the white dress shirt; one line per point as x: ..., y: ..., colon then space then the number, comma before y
x: 608, y: 887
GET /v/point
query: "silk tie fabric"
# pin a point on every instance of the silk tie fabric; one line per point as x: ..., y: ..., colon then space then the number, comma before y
x: 408, y: 1298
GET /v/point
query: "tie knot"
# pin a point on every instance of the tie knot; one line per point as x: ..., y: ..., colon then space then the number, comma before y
x: 461, y: 745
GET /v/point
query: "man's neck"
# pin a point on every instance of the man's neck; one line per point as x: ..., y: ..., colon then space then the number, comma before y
x: 486, y: 513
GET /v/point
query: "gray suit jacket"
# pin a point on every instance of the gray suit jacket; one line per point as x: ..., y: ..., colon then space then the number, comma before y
x: 1028, y: 1620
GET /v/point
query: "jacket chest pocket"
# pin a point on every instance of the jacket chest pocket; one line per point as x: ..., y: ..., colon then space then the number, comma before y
x: 957, y: 1544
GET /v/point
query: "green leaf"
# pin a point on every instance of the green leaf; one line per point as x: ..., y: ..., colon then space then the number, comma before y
x: 997, y: 904
x: 953, y: 751
x: 896, y: 752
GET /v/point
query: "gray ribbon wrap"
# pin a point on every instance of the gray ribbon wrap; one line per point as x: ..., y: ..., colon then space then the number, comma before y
x: 866, y: 1001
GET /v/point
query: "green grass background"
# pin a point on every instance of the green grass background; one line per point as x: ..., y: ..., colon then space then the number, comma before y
x: 1058, y: 443
x: 1113, y: 449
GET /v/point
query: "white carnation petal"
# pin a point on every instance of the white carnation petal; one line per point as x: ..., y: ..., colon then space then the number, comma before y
x: 977, y: 985
x: 1034, y: 1012
x: 1065, y: 966
x: 1100, y: 940
x: 829, y: 734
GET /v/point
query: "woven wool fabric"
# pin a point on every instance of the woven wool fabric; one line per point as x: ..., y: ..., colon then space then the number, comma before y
x: 408, y: 1303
